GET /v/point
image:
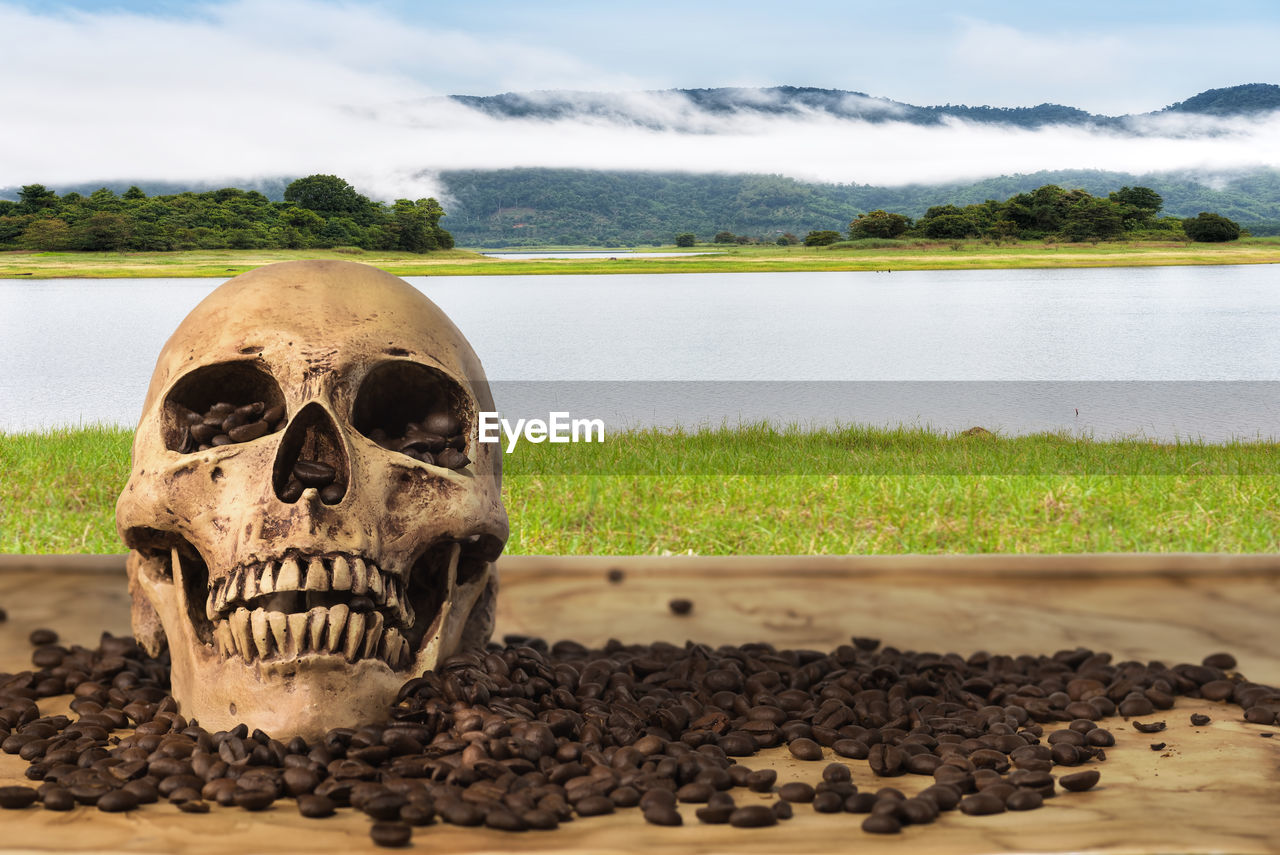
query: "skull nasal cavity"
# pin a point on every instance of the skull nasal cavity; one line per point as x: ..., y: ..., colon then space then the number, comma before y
x: 312, y: 454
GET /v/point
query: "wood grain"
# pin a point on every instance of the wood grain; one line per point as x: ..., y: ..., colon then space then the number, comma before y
x: 1212, y: 789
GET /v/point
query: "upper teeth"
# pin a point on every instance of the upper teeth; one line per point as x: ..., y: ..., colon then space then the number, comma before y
x: 318, y: 573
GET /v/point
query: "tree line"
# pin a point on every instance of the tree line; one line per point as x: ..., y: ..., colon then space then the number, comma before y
x: 1048, y: 212
x: 318, y: 211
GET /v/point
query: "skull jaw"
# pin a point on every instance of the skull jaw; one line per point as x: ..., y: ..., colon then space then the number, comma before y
x: 307, y: 696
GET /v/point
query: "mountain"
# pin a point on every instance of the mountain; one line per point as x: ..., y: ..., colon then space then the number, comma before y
x: 680, y: 109
x: 531, y: 207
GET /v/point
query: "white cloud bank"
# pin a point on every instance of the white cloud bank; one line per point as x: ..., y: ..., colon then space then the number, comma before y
x: 254, y: 90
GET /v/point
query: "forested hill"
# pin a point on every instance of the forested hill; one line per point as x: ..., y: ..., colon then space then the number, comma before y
x: 530, y: 207
x: 652, y: 109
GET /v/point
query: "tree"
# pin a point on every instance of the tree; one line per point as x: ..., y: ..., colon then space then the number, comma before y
x: 1090, y: 218
x: 825, y: 237
x: 327, y: 195
x: 1142, y: 198
x: 724, y: 237
x: 134, y: 193
x: 686, y: 239
x: 36, y: 197
x: 1211, y: 228
x: 878, y: 224
x: 103, y: 231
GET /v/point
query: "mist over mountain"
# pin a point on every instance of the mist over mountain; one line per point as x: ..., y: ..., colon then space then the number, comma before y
x: 661, y: 109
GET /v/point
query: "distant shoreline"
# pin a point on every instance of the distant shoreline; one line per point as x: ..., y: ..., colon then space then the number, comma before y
x: 909, y: 255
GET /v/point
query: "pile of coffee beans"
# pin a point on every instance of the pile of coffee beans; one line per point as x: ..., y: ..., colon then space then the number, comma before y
x: 437, y: 440
x: 526, y: 736
x: 225, y: 423
x: 317, y: 474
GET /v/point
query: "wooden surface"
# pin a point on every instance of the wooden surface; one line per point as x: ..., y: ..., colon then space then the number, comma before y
x: 1213, y: 789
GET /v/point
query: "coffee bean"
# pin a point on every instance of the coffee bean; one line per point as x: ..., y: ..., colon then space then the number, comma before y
x: 828, y: 802
x: 835, y: 772
x: 254, y: 800
x: 615, y: 575
x: 1222, y: 661
x: 41, y: 637
x: 594, y: 806
x: 249, y: 432
x: 680, y: 606
x: 117, y: 801
x: 1157, y: 746
x: 714, y: 815
x: 391, y: 834
x: 16, y: 797
x: 273, y: 414
x: 860, y: 803
x: 851, y: 748
x: 442, y: 423
x: 194, y: 806
x: 1150, y: 727
x: 1217, y: 690
x: 1199, y: 719
x: 315, y: 807
x: 804, y: 749
x: 762, y: 780
x: 867, y: 644
x: 1079, y: 781
x: 663, y: 815
x: 1100, y: 738
x: 782, y: 810
x: 1259, y: 715
x: 451, y: 458
x: 1135, y: 707
x: 1024, y: 800
x: 314, y: 473
x: 752, y: 816
x: 886, y: 760
x: 56, y: 798
x: 981, y: 804
x: 881, y: 823
x: 796, y: 791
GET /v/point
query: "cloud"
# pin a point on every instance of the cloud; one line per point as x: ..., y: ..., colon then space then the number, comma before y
x: 250, y: 90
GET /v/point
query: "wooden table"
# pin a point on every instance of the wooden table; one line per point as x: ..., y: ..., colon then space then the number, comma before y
x: 1213, y: 789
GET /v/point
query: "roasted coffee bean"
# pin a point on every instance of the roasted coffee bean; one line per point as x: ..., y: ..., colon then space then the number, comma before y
x: 1222, y: 661
x: 254, y: 800
x: 1157, y: 746
x: 594, y: 806
x: 1149, y: 727
x: 117, y: 801
x: 1136, y: 706
x: 945, y: 796
x: 457, y: 812
x: 1024, y: 800
x: 796, y: 791
x: 385, y: 806
x: 762, y: 780
x: 752, y: 816
x: 333, y: 494
x: 273, y: 414
x: 314, y: 473
x: 249, y: 432
x: 680, y: 606
x: 1199, y: 719
x: 291, y: 491
x: 804, y: 749
x: 714, y: 814
x: 615, y: 575
x: 981, y: 804
x: 15, y: 797
x: 835, y: 772
x: 56, y: 798
x: 194, y: 806
x: 391, y: 834
x: 828, y: 802
x: 888, y: 761
x: 442, y: 423
x: 1100, y: 738
x: 1259, y: 715
x: 315, y: 807
x: 1079, y: 781
x: 881, y: 823
x: 860, y: 803
x: 41, y: 637
x: 851, y: 748
x: 663, y: 815
x: 452, y: 458
x: 1217, y: 690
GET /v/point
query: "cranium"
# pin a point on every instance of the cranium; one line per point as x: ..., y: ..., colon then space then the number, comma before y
x: 288, y: 607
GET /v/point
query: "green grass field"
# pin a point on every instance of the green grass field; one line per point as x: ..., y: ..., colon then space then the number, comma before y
x: 900, y: 255
x: 761, y: 490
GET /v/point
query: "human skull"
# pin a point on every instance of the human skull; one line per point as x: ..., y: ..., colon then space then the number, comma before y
x: 285, y: 606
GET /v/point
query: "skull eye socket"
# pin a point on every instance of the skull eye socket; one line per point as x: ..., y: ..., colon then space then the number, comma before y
x: 417, y: 411
x: 220, y: 405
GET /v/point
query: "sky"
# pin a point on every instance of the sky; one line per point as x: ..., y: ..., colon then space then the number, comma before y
x: 225, y: 91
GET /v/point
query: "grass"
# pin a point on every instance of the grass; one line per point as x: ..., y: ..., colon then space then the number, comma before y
x: 758, y: 489
x: 853, y: 255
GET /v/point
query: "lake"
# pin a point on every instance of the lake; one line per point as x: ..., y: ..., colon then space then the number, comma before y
x: 1161, y: 352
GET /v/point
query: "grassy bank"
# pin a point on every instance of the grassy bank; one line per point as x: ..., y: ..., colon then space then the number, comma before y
x: 759, y: 490
x: 873, y: 255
